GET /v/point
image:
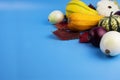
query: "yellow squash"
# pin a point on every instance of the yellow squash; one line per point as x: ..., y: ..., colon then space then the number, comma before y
x: 82, y: 22
x: 77, y: 6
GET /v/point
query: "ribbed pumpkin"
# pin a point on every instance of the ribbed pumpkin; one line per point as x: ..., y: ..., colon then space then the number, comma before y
x: 82, y: 22
x: 111, y: 23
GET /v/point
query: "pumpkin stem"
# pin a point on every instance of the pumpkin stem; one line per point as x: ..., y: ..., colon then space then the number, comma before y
x: 111, y: 14
x: 110, y: 25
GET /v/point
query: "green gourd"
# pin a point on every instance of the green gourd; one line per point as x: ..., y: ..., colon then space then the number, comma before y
x: 111, y: 23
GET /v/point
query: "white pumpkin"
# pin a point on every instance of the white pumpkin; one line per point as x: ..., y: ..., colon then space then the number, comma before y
x: 110, y: 43
x: 55, y: 17
x: 105, y: 7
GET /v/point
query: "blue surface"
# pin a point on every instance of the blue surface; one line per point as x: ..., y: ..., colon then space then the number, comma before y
x: 29, y: 50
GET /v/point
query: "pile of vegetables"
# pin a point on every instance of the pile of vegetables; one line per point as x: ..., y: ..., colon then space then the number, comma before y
x: 99, y: 26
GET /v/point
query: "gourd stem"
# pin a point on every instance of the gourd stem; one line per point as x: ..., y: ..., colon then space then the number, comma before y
x: 111, y: 14
x: 110, y: 25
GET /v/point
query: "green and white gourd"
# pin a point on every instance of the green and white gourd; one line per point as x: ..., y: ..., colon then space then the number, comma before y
x: 111, y: 23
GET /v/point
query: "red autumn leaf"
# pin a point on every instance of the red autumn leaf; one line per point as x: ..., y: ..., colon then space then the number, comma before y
x: 84, y: 37
x: 66, y: 34
x: 62, y: 25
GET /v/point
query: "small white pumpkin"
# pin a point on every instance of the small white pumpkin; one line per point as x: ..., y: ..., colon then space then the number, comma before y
x: 110, y: 43
x: 55, y: 16
x: 105, y: 7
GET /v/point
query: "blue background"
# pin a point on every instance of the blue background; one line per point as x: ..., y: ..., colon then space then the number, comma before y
x: 29, y: 50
